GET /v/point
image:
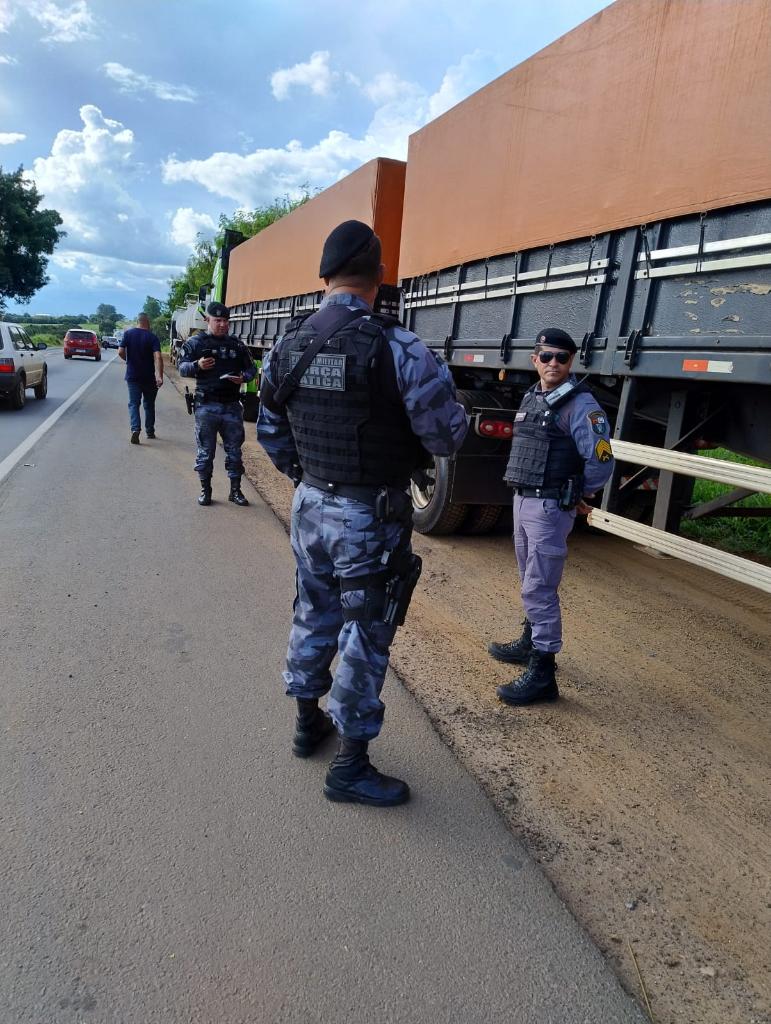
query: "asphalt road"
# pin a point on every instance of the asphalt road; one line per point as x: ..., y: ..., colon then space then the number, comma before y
x: 163, y: 858
x: 64, y: 377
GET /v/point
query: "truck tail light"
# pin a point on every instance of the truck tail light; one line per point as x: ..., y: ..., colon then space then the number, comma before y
x: 7, y: 366
x: 495, y: 428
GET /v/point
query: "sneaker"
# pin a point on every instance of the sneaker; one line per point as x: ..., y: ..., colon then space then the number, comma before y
x: 135, y: 437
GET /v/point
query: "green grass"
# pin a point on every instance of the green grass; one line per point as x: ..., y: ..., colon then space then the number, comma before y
x: 741, y: 536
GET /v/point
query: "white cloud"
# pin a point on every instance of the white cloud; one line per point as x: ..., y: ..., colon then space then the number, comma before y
x: 186, y: 225
x: 7, y: 14
x: 97, y: 282
x: 459, y: 82
x: 387, y: 87
x: 315, y: 74
x: 64, y: 24
x: 103, y: 272
x: 263, y: 174
x: 8, y: 138
x: 135, y: 82
x: 91, y: 177
x: 6, y: 58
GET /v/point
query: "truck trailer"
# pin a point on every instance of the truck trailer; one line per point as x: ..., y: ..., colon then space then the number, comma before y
x: 617, y: 185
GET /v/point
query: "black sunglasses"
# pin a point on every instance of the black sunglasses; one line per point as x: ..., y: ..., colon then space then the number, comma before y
x: 561, y: 357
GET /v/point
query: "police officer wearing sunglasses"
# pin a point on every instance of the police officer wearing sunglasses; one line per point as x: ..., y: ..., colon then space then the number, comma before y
x: 560, y: 455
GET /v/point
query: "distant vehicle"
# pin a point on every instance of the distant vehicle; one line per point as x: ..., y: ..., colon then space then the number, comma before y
x: 21, y: 366
x: 109, y: 341
x: 82, y: 343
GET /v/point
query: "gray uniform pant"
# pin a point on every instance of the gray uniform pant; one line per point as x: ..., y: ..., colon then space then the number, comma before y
x: 541, y: 532
x: 227, y: 420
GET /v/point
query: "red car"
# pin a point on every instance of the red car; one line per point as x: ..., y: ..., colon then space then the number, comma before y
x: 81, y: 343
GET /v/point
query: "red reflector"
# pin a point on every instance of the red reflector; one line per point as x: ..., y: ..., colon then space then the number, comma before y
x: 495, y: 428
x: 6, y: 366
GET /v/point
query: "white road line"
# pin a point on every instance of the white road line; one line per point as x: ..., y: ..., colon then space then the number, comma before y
x: 21, y: 450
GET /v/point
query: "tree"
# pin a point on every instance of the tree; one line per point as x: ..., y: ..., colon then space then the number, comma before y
x: 27, y: 236
x: 153, y: 307
x: 106, y: 317
x: 199, y: 270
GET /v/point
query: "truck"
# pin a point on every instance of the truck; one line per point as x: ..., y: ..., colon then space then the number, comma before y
x: 189, y: 318
x: 617, y: 184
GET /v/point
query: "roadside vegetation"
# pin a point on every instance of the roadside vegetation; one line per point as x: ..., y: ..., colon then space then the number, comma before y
x: 28, y: 235
x: 750, y: 536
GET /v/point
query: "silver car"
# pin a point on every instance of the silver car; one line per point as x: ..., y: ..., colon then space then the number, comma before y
x: 22, y: 365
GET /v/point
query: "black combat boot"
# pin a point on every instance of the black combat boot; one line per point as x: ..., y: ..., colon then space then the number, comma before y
x: 536, y: 683
x: 515, y: 652
x: 204, y: 498
x: 236, y: 495
x: 352, y: 779
x: 311, y: 728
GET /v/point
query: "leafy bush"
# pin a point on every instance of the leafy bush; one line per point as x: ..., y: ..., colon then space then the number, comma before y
x: 49, y: 339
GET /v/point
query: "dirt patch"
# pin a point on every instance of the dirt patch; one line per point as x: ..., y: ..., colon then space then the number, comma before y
x: 644, y: 792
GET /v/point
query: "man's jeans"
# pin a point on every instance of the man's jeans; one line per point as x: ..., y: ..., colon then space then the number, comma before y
x: 139, y: 390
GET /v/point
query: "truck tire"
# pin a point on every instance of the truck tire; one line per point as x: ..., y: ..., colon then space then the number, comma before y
x: 434, y: 514
x: 482, y: 519
x: 251, y: 404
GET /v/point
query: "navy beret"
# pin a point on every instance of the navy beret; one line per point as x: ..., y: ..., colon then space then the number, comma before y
x: 555, y: 338
x: 218, y: 309
x: 346, y: 241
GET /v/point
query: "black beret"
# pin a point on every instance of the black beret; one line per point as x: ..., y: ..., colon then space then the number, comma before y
x: 346, y: 241
x: 218, y: 309
x: 555, y: 338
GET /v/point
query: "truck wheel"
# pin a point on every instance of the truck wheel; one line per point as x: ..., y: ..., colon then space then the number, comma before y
x: 434, y: 514
x: 19, y: 396
x: 482, y: 519
x: 251, y: 406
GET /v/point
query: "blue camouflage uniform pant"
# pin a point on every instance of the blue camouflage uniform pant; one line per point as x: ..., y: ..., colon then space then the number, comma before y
x: 541, y: 531
x: 335, y: 539
x: 227, y: 420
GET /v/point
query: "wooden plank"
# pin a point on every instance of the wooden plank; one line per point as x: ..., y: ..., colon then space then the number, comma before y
x: 753, y: 478
x: 753, y: 574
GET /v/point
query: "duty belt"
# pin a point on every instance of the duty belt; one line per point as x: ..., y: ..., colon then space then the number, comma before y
x: 203, y: 399
x: 367, y: 495
x: 539, y: 492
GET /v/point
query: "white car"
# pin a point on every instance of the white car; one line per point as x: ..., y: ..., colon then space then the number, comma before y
x: 22, y: 366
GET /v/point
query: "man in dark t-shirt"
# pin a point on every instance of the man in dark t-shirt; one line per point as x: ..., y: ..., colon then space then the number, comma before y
x: 141, y: 352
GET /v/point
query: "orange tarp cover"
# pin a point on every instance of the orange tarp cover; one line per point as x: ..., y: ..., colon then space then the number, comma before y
x: 284, y: 259
x: 650, y: 109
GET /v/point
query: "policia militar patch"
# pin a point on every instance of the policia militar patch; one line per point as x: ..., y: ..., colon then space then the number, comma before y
x: 325, y: 373
x: 603, y: 451
x: 599, y: 421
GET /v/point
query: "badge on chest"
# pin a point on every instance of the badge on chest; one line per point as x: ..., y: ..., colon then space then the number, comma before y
x: 326, y: 372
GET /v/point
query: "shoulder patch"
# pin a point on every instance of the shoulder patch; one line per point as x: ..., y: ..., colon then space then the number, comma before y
x: 603, y: 451
x: 599, y: 421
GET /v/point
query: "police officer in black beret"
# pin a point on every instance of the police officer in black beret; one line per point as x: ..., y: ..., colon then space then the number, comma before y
x: 351, y: 402
x: 560, y: 456
x: 220, y: 364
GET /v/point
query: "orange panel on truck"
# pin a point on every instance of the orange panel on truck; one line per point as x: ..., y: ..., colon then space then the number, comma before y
x: 644, y: 112
x: 283, y: 259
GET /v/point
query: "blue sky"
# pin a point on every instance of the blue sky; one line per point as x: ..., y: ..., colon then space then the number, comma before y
x: 142, y: 121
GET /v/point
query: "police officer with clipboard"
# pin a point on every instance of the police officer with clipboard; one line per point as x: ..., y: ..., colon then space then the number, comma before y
x: 220, y: 364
